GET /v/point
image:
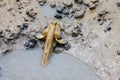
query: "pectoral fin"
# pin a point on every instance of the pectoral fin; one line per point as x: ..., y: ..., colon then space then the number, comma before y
x: 40, y: 36
x: 61, y: 41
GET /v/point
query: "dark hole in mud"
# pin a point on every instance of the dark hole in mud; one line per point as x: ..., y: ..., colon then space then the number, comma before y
x: 118, y: 4
x: 17, y: 0
x: 118, y: 52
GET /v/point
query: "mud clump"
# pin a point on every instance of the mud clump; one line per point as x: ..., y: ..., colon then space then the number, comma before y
x: 79, y: 14
x: 92, y: 4
x: 30, y: 13
x: 41, y: 2
x: 76, y: 31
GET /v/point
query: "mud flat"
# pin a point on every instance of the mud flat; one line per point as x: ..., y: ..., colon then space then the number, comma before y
x: 27, y: 65
x: 91, y: 28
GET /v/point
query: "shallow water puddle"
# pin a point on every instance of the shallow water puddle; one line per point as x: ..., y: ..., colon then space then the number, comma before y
x: 26, y: 65
x: 47, y: 11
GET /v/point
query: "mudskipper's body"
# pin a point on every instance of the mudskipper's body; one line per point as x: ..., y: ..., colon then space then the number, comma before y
x: 51, y: 33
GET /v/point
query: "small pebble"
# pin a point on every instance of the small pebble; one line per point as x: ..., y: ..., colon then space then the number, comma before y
x: 30, y: 44
x: 67, y: 46
x: 24, y: 26
x: 58, y: 16
x: 41, y: 2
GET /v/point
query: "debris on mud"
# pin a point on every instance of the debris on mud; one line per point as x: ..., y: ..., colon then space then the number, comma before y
x: 108, y: 27
x: 30, y: 44
x: 101, y: 16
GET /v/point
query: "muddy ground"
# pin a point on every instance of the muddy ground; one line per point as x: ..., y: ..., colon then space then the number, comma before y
x: 91, y: 28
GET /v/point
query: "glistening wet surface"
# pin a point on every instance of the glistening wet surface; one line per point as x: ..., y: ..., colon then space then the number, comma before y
x: 47, y: 11
x: 26, y: 65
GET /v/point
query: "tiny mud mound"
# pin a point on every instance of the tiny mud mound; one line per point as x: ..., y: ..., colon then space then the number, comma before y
x: 26, y: 65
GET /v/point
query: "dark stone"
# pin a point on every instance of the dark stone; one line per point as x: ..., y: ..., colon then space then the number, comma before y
x: 24, y: 26
x: 118, y: 4
x: 30, y: 44
x: 67, y: 46
x: 58, y: 16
